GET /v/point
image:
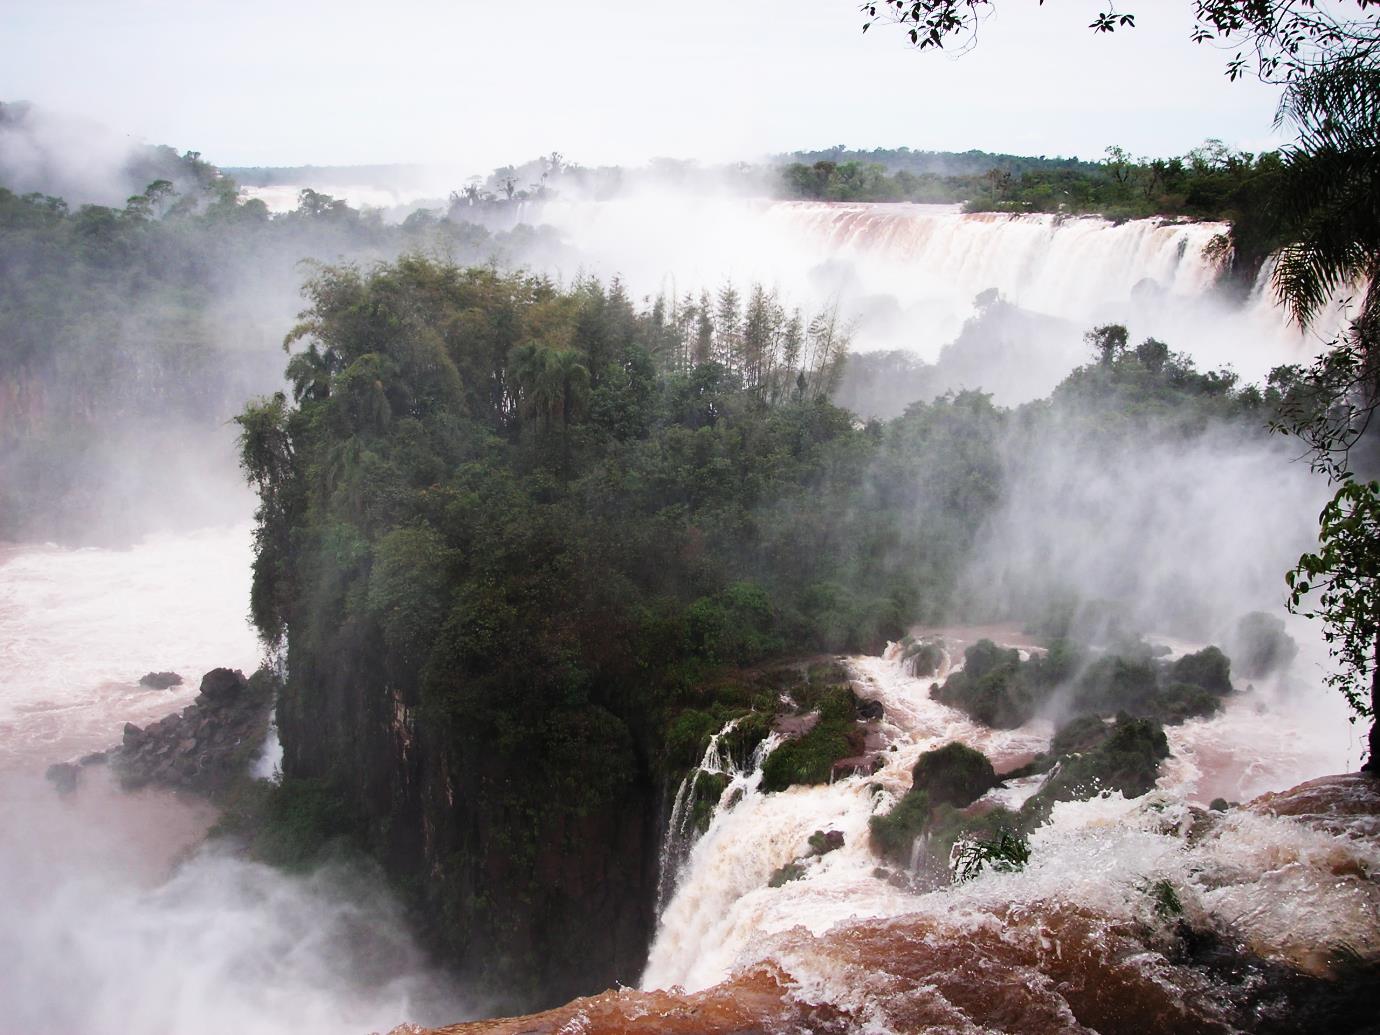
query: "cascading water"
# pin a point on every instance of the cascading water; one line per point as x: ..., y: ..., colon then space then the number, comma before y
x: 838, y: 933
x: 908, y: 274
x: 742, y: 780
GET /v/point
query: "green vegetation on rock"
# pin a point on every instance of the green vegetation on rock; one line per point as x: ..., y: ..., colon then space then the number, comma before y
x: 954, y: 774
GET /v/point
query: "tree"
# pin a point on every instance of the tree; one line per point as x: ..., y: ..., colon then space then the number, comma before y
x: 1345, y: 574
x: 1107, y: 342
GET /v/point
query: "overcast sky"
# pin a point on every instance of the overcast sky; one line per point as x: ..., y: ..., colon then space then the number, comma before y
x: 287, y: 82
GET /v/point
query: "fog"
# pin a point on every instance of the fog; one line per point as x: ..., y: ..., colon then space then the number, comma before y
x: 101, y: 936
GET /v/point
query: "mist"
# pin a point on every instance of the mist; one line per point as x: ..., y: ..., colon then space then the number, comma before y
x: 114, y: 921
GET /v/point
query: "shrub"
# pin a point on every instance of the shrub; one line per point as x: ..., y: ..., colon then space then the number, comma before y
x: 892, y: 835
x: 953, y: 775
x: 1006, y: 853
x: 1209, y: 669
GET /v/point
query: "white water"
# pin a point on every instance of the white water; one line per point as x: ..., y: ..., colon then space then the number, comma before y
x: 1270, y: 880
x: 107, y: 925
x: 908, y: 274
x: 78, y: 627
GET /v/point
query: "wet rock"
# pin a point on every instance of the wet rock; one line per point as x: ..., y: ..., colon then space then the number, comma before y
x: 95, y: 758
x: 160, y: 680
x: 822, y: 842
x: 1344, y: 805
x: 222, y: 684
x: 953, y: 775
x: 871, y: 710
x: 63, y: 776
x: 209, y: 743
x: 786, y: 874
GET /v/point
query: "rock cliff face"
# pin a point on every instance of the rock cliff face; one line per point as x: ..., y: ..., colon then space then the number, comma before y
x: 530, y: 859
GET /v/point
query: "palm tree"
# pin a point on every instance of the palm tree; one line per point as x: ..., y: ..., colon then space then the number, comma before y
x: 552, y: 383
x: 1328, y: 205
x: 1328, y: 200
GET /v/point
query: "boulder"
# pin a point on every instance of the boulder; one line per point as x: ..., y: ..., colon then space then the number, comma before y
x: 207, y: 745
x: 160, y: 680
x: 822, y: 842
x: 223, y: 684
x: 953, y: 775
x: 64, y: 776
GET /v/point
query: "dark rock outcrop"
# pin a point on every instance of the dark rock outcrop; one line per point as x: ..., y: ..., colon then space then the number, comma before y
x: 63, y: 776
x: 953, y: 775
x: 208, y: 744
x: 160, y: 680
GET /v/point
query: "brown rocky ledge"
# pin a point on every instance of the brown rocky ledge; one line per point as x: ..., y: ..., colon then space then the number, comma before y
x: 1030, y: 970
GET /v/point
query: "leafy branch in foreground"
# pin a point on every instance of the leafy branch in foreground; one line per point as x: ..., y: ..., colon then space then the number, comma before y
x: 1007, y: 853
x: 1275, y: 40
x: 1345, y: 575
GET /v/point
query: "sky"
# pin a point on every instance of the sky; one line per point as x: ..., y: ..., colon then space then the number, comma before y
x: 457, y: 82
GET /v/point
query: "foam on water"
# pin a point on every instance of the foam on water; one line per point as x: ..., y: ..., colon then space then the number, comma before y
x: 1286, y: 890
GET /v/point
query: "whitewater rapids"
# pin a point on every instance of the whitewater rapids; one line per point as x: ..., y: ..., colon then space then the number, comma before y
x: 843, y: 935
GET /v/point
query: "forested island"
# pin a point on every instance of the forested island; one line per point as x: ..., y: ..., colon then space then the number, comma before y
x: 530, y: 547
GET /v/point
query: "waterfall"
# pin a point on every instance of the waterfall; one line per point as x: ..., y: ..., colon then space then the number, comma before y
x: 723, y: 914
x: 680, y: 836
x: 907, y: 275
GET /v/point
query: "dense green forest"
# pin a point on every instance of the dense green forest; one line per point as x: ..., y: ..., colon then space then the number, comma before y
x: 524, y: 535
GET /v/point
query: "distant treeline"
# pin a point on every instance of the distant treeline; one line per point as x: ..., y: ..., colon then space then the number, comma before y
x: 1210, y: 182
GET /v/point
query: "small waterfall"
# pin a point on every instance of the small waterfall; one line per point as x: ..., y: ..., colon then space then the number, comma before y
x: 681, y: 835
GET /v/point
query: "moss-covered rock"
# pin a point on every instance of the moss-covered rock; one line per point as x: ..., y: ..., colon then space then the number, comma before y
x: 808, y: 759
x: 1114, y: 683
x: 989, y: 687
x: 1078, y: 735
x: 785, y: 874
x: 954, y: 774
x: 922, y: 658
x: 705, y: 794
x: 892, y: 835
x: 740, y: 742
x: 1209, y: 668
x: 1180, y: 701
x: 1127, y: 759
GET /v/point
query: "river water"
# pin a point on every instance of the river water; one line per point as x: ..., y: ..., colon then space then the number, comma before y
x: 112, y: 919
